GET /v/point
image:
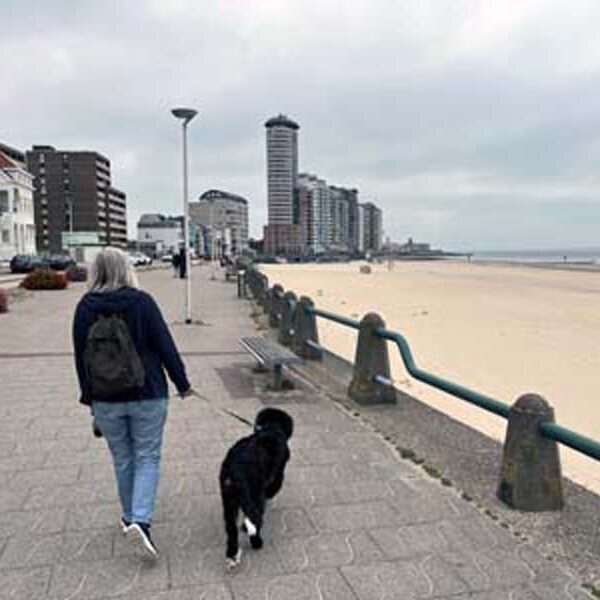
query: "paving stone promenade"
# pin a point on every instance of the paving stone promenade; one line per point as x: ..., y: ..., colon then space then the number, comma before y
x: 353, y: 522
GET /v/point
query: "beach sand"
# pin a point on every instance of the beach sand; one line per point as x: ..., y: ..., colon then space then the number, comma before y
x: 502, y: 330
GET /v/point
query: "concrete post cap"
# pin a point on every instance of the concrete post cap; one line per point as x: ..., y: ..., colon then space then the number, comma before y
x: 533, y: 404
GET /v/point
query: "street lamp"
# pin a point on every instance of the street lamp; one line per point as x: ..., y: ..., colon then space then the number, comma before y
x: 186, y: 115
x: 212, y: 239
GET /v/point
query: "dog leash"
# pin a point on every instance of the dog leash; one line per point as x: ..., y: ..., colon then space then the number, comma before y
x: 222, y: 410
x: 98, y: 433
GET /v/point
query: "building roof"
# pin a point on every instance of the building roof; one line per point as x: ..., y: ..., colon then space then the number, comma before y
x: 282, y: 120
x: 47, y: 149
x: 221, y: 195
x: 7, y: 163
x: 13, y: 153
x: 158, y: 220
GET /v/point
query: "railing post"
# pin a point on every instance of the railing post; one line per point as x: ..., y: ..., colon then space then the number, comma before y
x: 304, y: 325
x: 530, y: 476
x: 253, y: 282
x: 371, y: 361
x: 287, y: 315
x: 262, y: 290
x: 276, y: 294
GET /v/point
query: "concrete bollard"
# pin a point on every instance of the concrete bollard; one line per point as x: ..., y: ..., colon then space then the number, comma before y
x: 262, y: 289
x: 267, y: 304
x: 530, y: 476
x: 253, y: 281
x: 371, y: 360
x: 241, y: 284
x: 304, y: 325
x: 288, y: 305
x: 275, y: 305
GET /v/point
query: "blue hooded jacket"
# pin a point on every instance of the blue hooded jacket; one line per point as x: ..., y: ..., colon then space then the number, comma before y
x: 149, y: 333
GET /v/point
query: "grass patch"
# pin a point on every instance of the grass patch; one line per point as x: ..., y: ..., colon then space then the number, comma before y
x: 407, y: 453
x: 590, y: 587
x: 432, y: 471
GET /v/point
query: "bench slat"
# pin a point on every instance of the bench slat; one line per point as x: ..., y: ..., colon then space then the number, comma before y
x: 267, y: 351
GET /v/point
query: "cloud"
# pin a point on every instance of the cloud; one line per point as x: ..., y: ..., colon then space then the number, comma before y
x: 454, y: 114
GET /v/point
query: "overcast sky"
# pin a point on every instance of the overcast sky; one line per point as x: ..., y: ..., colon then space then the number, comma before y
x: 475, y: 124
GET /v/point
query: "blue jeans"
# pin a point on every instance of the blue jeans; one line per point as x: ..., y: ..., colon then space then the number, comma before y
x: 134, y: 432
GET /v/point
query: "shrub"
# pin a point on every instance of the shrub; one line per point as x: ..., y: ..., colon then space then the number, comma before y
x: 44, y: 279
x: 3, y: 301
x: 75, y: 273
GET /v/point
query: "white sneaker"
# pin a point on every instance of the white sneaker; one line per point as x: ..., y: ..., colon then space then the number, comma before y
x: 125, y: 525
x: 138, y: 535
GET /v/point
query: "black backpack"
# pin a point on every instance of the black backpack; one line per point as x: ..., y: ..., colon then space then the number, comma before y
x: 113, y: 364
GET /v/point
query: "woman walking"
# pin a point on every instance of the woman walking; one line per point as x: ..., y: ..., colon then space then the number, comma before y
x: 122, y: 346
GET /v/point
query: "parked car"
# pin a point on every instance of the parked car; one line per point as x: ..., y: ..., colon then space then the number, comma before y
x: 25, y: 263
x: 59, y: 262
x: 137, y: 259
x: 144, y: 258
x: 167, y: 258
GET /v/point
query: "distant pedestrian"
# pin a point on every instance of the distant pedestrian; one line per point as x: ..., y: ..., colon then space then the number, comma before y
x: 182, y: 263
x: 122, y: 347
x: 175, y: 262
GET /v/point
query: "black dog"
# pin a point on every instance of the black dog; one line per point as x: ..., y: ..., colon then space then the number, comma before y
x: 252, y: 473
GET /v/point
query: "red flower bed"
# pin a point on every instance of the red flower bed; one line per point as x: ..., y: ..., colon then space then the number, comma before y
x: 44, y: 279
x: 3, y: 301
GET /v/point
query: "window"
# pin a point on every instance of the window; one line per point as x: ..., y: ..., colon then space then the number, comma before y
x: 4, y: 207
x: 6, y: 236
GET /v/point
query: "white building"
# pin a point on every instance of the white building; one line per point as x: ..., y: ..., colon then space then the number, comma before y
x: 17, y: 219
x: 361, y: 228
x: 159, y: 235
x: 226, y: 215
x: 317, y: 231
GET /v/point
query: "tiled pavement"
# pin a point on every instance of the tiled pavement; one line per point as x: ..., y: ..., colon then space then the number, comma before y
x: 353, y: 522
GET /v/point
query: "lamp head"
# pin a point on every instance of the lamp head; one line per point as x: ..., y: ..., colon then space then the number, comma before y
x: 187, y: 114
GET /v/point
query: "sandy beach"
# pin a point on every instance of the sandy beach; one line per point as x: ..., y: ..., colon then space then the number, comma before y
x: 502, y: 330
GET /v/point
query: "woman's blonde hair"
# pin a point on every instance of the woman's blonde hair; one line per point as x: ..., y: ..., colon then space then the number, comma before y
x: 111, y: 270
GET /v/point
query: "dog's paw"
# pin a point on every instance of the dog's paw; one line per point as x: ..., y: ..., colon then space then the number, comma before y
x: 256, y: 542
x: 249, y: 527
x: 233, y: 563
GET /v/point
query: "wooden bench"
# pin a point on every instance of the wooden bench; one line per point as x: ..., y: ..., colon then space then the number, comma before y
x: 270, y: 355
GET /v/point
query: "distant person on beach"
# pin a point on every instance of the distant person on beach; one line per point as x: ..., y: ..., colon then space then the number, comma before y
x: 122, y: 347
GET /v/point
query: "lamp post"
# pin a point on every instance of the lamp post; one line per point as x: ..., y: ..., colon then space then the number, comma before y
x: 212, y: 240
x: 186, y: 115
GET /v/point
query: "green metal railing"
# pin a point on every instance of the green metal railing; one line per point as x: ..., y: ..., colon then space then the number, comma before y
x: 333, y: 317
x: 565, y: 436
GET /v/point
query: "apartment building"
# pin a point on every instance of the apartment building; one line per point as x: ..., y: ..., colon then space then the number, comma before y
x: 74, y: 194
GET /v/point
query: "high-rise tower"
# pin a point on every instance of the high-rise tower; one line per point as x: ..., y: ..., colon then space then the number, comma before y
x: 282, y: 168
x: 282, y: 234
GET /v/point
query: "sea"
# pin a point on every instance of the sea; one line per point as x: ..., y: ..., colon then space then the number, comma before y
x: 561, y: 255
